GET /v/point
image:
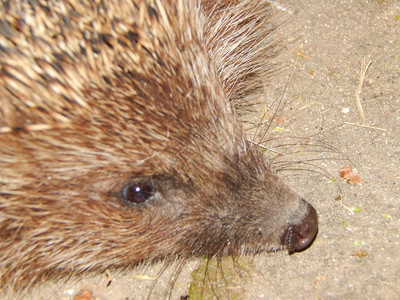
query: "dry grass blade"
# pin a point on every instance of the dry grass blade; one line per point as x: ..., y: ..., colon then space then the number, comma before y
x: 364, y: 69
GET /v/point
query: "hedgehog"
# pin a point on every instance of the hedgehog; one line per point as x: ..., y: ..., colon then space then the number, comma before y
x: 120, y: 141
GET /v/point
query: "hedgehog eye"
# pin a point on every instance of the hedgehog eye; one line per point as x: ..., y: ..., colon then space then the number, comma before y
x: 137, y: 193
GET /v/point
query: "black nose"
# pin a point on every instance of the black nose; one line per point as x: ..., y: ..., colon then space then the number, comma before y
x: 298, y: 237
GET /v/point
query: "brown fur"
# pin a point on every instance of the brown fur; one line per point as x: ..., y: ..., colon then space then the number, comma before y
x: 94, y: 98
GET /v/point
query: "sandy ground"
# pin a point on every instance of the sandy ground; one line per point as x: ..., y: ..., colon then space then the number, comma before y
x: 332, y: 39
x: 356, y: 253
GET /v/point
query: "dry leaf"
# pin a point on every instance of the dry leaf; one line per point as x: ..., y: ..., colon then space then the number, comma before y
x: 84, y: 295
x: 347, y: 174
x: 280, y: 119
x: 360, y: 253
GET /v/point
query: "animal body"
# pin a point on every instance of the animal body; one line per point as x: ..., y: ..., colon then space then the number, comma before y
x: 119, y: 140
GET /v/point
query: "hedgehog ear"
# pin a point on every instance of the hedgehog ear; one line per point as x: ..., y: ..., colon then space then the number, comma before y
x: 136, y: 193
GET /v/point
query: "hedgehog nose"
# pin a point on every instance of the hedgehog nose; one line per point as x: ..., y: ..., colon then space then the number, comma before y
x: 298, y: 237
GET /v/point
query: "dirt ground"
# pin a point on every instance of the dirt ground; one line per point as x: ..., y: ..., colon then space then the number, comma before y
x: 332, y: 38
x: 356, y: 253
